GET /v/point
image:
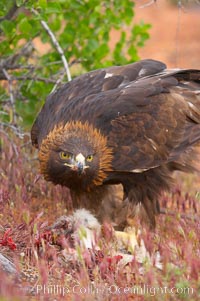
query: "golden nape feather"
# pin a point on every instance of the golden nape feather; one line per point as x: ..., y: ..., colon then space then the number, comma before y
x: 131, y: 125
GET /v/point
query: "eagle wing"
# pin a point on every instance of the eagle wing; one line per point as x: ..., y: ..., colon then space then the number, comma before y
x: 164, y: 123
x: 149, y: 115
x: 73, y: 99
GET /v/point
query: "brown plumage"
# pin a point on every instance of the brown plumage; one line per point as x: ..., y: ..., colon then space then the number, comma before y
x: 131, y: 125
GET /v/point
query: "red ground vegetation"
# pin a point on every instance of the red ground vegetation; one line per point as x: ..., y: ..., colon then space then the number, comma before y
x: 29, y: 205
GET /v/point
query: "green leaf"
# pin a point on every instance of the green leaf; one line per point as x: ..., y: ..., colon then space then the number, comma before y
x: 25, y: 26
x: 132, y: 51
x: 20, y: 2
x: 53, y: 8
x: 5, y: 49
x: 92, y: 45
x: 82, y: 28
x: 8, y: 27
x: 42, y: 4
x: 102, y: 51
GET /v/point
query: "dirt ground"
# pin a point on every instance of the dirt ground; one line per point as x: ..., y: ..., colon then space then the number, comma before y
x: 175, y: 33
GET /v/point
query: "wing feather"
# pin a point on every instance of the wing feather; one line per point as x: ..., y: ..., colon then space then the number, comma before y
x: 149, y: 115
x: 68, y: 102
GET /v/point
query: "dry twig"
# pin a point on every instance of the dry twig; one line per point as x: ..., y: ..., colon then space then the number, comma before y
x: 148, y: 3
x: 12, y: 99
x: 56, y: 44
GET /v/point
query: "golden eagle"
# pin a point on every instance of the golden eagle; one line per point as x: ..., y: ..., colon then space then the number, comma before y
x: 130, y: 125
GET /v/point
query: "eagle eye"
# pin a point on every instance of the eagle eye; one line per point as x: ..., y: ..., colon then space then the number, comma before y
x: 89, y: 158
x: 65, y: 155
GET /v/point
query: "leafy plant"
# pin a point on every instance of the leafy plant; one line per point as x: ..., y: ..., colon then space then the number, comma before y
x: 82, y: 29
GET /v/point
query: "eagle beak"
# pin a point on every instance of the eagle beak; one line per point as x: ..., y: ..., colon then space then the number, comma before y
x: 79, y: 167
x: 78, y: 164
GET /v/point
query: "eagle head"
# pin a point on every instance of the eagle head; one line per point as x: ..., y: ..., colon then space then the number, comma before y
x: 75, y: 155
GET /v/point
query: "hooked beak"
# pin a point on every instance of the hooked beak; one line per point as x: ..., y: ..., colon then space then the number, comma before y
x: 78, y: 164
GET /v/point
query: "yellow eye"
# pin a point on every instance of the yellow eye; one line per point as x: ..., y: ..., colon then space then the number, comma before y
x: 89, y: 158
x: 65, y: 155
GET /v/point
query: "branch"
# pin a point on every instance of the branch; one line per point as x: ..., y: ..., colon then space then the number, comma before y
x: 7, y: 265
x: 14, y: 128
x: 13, y: 67
x: 36, y: 78
x: 10, y: 62
x: 58, y: 82
x: 3, y: 76
x: 189, y: 6
x: 12, y: 99
x: 148, y: 3
x: 56, y: 44
x: 10, y: 13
